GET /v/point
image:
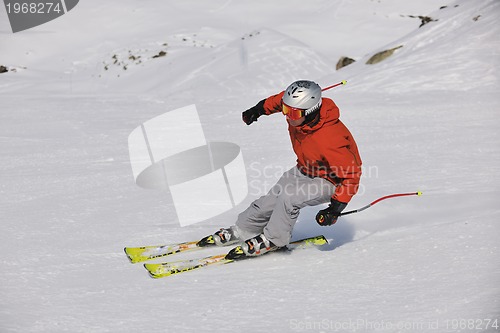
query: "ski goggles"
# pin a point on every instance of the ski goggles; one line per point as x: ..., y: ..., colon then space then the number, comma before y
x: 291, y: 112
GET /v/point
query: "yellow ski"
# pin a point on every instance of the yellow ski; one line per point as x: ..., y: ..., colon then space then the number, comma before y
x: 172, y: 268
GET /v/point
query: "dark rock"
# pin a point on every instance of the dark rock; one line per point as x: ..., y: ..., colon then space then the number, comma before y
x: 380, y: 56
x: 344, y: 61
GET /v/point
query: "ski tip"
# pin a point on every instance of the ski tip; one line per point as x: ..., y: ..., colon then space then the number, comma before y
x: 128, y: 256
x: 133, y: 258
x: 344, y: 82
x: 153, y: 276
x: 151, y: 268
x: 419, y: 193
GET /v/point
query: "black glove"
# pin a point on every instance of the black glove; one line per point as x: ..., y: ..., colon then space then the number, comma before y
x: 251, y: 115
x: 329, y: 215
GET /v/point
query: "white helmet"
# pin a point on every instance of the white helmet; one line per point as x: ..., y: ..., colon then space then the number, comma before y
x: 304, y: 95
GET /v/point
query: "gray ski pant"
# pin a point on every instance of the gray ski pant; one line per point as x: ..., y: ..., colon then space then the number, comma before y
x: 275, y: 213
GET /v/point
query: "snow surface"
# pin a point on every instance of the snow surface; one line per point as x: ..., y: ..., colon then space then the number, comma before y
x: 425, y: 119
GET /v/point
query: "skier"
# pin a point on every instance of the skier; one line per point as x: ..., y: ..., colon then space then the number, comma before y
x: 328, y: 170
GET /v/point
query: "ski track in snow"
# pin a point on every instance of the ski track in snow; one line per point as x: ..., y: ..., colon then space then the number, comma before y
x: 424, y: 119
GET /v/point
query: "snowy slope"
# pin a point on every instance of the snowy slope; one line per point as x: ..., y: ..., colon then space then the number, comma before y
x: 424, y: 119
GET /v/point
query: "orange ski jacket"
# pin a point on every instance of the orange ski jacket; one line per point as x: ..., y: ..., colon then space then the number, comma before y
x: 324, y: 148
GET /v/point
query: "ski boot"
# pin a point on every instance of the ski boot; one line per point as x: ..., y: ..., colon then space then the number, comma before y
x: 251, y: 248
x: 222, y: 237
x: 257, y: 246
x: 228, y: 236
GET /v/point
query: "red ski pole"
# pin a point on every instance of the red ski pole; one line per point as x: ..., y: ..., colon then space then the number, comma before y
x: 378, y: 200
x: 343, y: 82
